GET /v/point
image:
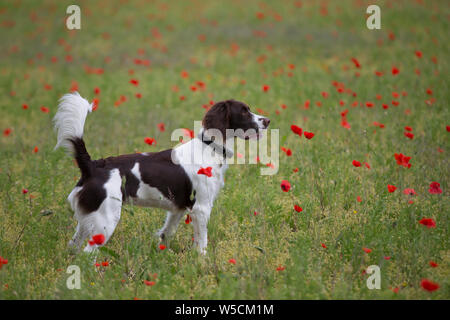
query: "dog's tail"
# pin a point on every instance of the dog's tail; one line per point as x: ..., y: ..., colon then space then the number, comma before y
x: 69, y: 124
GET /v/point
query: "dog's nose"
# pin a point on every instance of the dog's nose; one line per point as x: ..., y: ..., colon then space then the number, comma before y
x: 266, y: 122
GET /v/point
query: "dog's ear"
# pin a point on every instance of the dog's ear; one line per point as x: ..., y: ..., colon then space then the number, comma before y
x: 218, y: 117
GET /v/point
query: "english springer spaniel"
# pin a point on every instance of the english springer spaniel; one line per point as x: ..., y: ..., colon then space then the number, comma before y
x: 171, y: 179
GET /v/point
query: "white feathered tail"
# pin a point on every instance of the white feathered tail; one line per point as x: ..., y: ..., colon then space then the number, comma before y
x: 69, y: 119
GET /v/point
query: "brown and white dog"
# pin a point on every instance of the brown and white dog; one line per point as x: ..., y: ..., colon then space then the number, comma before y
x: 168, y: 179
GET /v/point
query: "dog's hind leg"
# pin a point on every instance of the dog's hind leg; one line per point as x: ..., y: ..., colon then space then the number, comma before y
x: 105, y: 219
x: 170, y: 225
x: 81, y: 233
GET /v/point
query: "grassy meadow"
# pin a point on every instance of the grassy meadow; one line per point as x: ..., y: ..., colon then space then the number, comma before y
x: 313, y: 64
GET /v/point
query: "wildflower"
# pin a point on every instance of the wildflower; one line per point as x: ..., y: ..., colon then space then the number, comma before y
x: 391, y: 188
x: 297, y: 130
x: 285, y: 186
x: 435, y: 188
x: 402, y: 160
x: 395, y: 71
x: 205, y: 171
x: 428, y: 222
x: 429, y: 285
x: 150, y: 141
x: 433, y: 264
x: 308, y: 135
x: 232, y: 261
x: 409, y: 191
x: 356, y: 163
x: 298, y: 208
x: 7, y: 132
x: 97, y: 239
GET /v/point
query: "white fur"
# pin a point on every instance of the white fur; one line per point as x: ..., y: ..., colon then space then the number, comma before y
x: 207, y: 188
x: 104, y: 220
x: 69, y: 119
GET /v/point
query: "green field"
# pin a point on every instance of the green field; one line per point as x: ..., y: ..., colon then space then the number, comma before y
x: 302, y: 50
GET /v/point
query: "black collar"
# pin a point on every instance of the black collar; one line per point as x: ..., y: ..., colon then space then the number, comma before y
x: 216, y: 147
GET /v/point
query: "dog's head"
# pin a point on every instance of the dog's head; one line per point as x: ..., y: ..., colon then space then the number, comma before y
x: 235, y: 115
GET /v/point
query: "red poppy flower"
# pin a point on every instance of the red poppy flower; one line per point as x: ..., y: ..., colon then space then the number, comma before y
x: 323, y: 245
x: 97, y: 90
x: 36, y: 150
x: 435, y: 188
x: 97, y: 239
x: 24, y: 191
x: 308, y: 135
x: 298, y: 208
x: 287, y: 151
x: 205, y: 171
x: 409, y: 135
x: 7, y: 132
x: 358, y: 198
x: 161, y: 127
x: 433, y: 264
x: 356, y: 62
x: 295, y: 170
x: 188, y: 219
x: 409, y: 191
x: 134, y: 82
x: 232, y: 261
x: 447, y: 128
x: 138, y: 95
x: 428, y: 222
x: 395, y: 71
x: 188, y: 133
x: 418, y: 54
x: 429, y: 285
x: 367, y: 250
x: 45, y: 109
x: 265, y: 88
x: 2, y: 262
x: 385, y: 106
x: 408, y: 128
x: 297, y: 130
x: 105, y: 263
x: 162, y: 247
x: 149, y: 141
x: 402, y: 160
x: 24, y: 106
x: 391, y: 188
x: 387, y: 258
x: 285, y: 186
x: 356, y: 163
x: 369, y: 104
x: 149, y: 283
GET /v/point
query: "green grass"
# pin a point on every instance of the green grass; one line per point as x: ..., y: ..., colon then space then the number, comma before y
x: 326, y: 185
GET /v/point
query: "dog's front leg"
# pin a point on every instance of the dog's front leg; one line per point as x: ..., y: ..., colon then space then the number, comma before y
x: 200, y: 218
